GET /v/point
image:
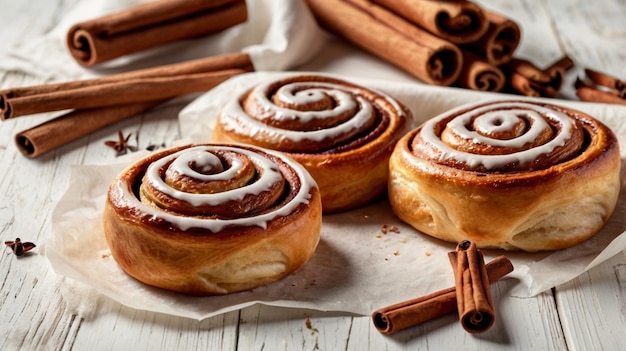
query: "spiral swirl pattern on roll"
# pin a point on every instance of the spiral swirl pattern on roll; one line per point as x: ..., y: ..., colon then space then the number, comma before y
x: 213, y: 186
x: 501, y: 136
x: 310, y: 114
x: 507, y: 174
x: 212, y: 218
x: 342, y: 133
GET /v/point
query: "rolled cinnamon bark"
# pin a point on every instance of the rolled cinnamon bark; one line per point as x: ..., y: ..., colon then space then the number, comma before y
x: 22, y: 101
x: 388, y: 36
x: 204, y: 73
x: 478, y: 74
x: 527, y: 79
x: 473, y: 294
x: 606, y: 80
x: 118, y: 93
x: 595, y: 95
x: 458, y: 22
x: 71, y: 126
x: 150, y: 24
x: 394, y: 318
x: 499, y: 42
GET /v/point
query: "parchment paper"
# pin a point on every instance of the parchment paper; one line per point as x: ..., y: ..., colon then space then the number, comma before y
x: 356, y: 268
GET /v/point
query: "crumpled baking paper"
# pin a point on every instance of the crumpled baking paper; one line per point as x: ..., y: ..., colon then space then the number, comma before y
x: 357, y: 268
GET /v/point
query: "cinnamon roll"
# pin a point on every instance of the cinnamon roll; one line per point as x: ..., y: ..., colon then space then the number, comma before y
x: 507, y: 174
x: 342, y: 133
x: 212, y: 218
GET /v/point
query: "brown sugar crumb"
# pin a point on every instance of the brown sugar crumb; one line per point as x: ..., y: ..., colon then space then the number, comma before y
x: 386, y: 228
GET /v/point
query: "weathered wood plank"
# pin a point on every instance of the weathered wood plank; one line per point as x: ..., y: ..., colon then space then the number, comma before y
x: 593, y: 307
x: 521, y: 324
x: 274, y: 328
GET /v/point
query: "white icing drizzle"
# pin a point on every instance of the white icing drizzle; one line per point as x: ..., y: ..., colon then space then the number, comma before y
x: 204, y: 160
x: 345, y: 101
x: 267, y: 178
x: 240, y: 122
x: 488, y: 124
x: 498, y: 117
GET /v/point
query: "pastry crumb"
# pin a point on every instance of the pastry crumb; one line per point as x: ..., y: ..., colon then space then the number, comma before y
x: 427, y: 252
x: 386, y: 228
x: 396, y: 252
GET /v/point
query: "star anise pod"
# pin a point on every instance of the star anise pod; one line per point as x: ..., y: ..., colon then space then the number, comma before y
x: 19, y: 247
x: 121, y: 145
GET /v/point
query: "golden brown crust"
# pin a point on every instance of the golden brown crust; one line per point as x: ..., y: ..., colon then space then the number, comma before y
x: 347, y: 151
x: 543, y: 207
x: 203, y: 253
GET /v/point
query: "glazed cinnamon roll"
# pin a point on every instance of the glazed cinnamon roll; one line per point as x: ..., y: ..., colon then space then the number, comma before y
x: 507, y: 174
x: 342, y: 133
x: 212, y: 218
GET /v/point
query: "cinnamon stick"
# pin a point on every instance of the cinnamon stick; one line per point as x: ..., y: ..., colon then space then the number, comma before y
x: 607, y: 81
x: 478, y: 74
x: 601, y: 87
x: 589, y: 94
x: 388, y: 36
x: 149, y: 25
x: 73, y: 125
x: 473, y: 294
x: 150, y: 84
x: 527, y: 79
x: 499, y: 42
x: 204, y: 73
x: 458, y: 22
x: 119, y: 93
x: 394, y: 318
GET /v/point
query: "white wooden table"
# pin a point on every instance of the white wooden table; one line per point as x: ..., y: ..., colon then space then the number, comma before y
x: 587, y: 313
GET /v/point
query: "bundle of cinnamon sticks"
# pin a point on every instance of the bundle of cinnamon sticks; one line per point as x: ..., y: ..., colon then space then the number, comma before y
x: 96, y: 103
x: 470, y: 297
x: 450, y: 43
